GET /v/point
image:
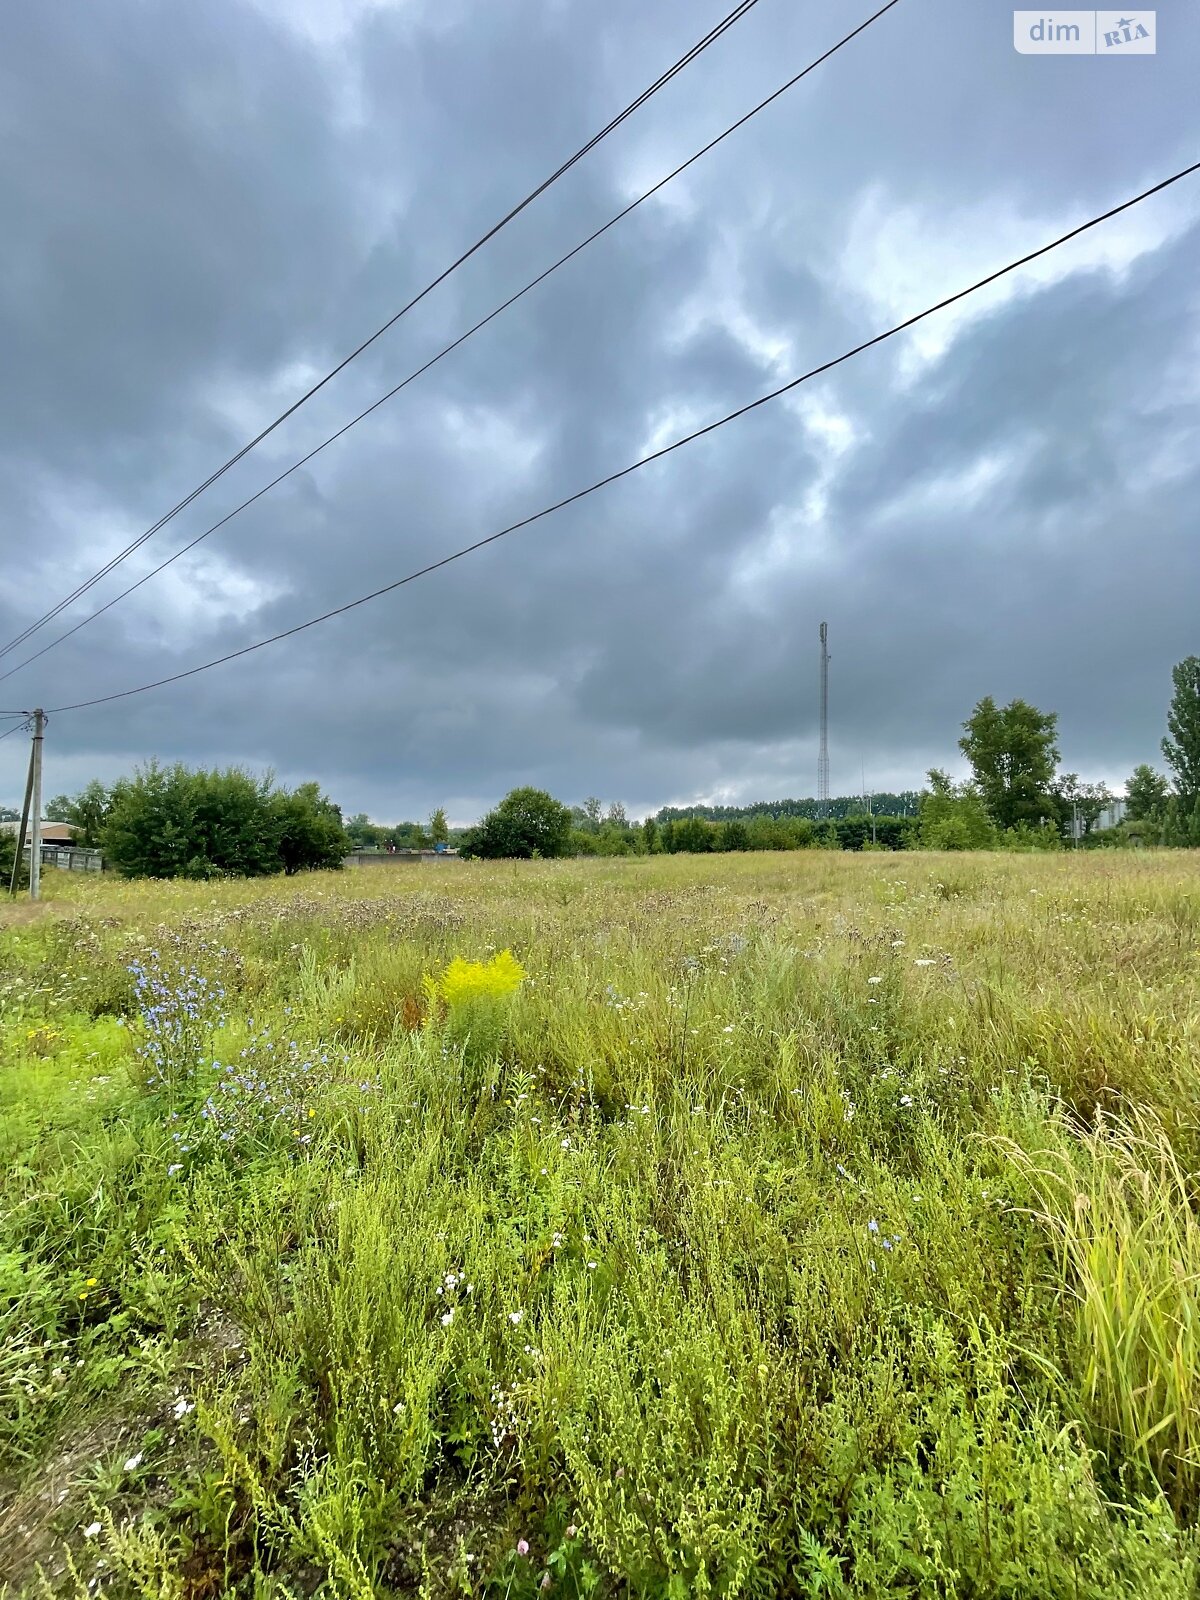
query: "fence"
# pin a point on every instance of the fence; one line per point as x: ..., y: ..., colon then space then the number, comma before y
x: 70, y: 858
x: 395, y: 858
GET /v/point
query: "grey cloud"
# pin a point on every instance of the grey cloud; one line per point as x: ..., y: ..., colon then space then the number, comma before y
x: 199, y: 202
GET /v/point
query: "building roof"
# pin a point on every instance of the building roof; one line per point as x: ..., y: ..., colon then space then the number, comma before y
x: 52, y: 832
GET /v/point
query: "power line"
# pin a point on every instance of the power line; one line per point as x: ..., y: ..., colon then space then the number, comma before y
x: 656, y: 455
x: 448, y: 349
x: 685, y: 60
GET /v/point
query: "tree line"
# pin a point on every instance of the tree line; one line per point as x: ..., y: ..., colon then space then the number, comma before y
x: 171, y: 821
x: 1016, y: 798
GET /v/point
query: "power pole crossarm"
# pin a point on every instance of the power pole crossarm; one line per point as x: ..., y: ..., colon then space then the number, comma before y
x: 35, y: 806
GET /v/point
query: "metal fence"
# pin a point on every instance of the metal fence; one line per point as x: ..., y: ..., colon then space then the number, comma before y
x: 396, y: 858
x: 69, y: 858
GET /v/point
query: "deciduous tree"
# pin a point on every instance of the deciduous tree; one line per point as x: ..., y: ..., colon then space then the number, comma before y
x: 1181, y: 747
x: 1013, y: 755
x: 1145, y: 794
x: 527, y: 822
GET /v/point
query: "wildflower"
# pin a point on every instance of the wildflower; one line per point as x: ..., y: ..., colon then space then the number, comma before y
x: 906, y: 1100
x: 92, y: 1529
x: 176, y: 1166
x: 925, y: 961
x: 448, y: 1317
x: 572, y: 1531
x: 874, y: 980
x: 515, y: 1316
x: 545, y: 1583
x: 522, y: 1547
x: 181, y: 1408
x: 398, y: 1408
x: 134, y: 1462
x: 872, y: 1226
x: 92, y: 1282
x: 591, y: 1266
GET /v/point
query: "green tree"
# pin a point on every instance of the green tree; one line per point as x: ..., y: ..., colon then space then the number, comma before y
x: 952, y: 816
x: 8, y: 849
x: 1146, y: 794
x: 86, y: 812
x: 169, y: 822
x: 311, y: 837
x: 1013, y: 756
x: 1087, y: 800
x: 1182, y: 745
x: 150, y: 827
x: 526, y: 823
x: 651, y: 842
x: 439, y: 828
x: 365, y: 834
x: 733, y: 836
x: 614, y: 839
x: 591, y: 810
x: 693, y: 835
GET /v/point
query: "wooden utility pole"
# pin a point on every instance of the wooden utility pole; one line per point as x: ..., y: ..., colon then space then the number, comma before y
x: 35, y: 815
x: 23, y: 830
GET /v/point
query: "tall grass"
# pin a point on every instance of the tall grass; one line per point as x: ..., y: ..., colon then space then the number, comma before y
x: 1122, y: 1213
x: 781, y: 1226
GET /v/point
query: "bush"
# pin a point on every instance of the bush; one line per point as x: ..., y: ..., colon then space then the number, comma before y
x: 952, y: 816
x: 527, y: 823
x: 169, y: 822
x: 8, y: 849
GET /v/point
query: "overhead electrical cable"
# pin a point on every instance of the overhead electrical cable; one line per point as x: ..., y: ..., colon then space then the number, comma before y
x: 714, y: 33
x: 656, y: 455
x: 448, y: 349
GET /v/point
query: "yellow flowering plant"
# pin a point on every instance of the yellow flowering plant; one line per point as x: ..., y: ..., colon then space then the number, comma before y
x: 467, y: 981
x: 468, y: 997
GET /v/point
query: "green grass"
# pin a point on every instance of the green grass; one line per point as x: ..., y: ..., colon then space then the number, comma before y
x: 801, y: 1225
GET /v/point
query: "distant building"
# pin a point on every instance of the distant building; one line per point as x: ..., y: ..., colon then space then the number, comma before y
x: 1112, y: 814
x: 52, y: 832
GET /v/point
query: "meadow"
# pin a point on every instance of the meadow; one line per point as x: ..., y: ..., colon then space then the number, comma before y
x: 748, y: 1226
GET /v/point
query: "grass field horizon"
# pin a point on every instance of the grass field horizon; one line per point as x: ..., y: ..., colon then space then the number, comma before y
x: 808, y: 1224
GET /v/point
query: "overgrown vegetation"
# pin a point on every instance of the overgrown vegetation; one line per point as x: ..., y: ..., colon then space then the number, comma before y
x: 761, y: 1225
x: 176, y: 822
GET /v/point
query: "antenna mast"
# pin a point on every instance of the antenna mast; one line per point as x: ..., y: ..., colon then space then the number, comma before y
x: 823, y: 757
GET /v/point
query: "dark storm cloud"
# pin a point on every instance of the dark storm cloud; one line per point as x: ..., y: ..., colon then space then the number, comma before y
x: 203, y: 210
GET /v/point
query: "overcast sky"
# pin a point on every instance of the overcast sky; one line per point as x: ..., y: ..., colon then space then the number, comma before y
x: 205, y: 207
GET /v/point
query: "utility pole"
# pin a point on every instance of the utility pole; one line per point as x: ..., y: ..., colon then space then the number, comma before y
x: 35, y: 815
x: 23, y: 830
x: 868, y: 801
x: 823, y: 754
